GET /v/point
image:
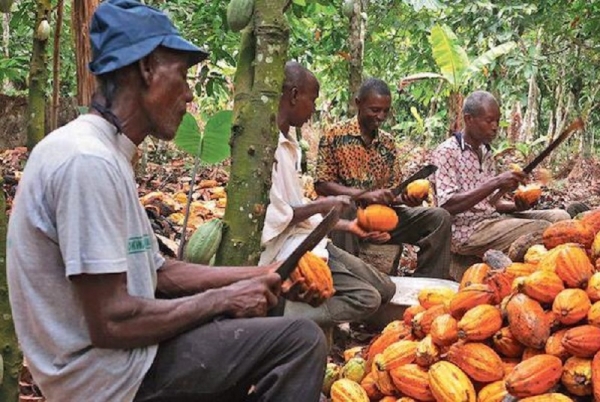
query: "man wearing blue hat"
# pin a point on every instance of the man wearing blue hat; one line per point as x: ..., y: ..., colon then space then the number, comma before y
x: 84, y: 267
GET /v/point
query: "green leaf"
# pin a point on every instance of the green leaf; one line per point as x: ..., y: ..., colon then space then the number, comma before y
x: 450, y: 57
x: 215, y: 139
x: 216, y: 148
x: 486, y: 58
x: 188, y: 135
x: 301, y: 3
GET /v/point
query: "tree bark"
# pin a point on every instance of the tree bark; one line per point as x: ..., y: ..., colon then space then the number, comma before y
x: 81, y: 16
x: 38, y: 78
x: 254, y: 135
x: 56, y: 67
x: 530, y: 121
x: 11, y: 358
x: 356, y: 44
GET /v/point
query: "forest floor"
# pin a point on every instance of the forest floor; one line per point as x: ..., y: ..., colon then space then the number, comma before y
x: 164, y: 180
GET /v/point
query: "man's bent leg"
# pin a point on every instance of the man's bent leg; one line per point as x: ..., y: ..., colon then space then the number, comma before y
x: 499, y: 234
x: 431, y: 230
x: 284, y: 358
x: 359, y: 291
x: 550, y: 215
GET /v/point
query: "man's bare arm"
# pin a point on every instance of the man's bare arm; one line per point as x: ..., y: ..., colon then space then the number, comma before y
x: 118, y: 320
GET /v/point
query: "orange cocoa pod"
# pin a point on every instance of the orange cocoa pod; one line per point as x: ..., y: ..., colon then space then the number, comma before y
x: 592, y: 219
x: 534, y: 254
x: 413, y: 381
x: 479, y: 323
x: 573, y: 266
x: 383, y: 381
x: 543, y: 286
x: 448, y: 383
x: 377, y: 218
x: 345, y: 390
x: 432, y: 296
x: 444, y: 330
x: 582, y: 341
x: 421, y: 324
x: 476, y: 273
x: 500, y: 283
x: 577, y: 376
x: 418, y: 189
x: 493, y: 392
x: 316, y: 273
x: 527, y: 321
x: 397, y: 354
x: 427, y: 352
x: 388, y: 399
x: 410, y: 313
x: 551, y: 397
x: 517, y: 269
x: 571, y: 306
x: 596, y: 376
x: 405, y: 399
x: 396, y: 325
x: 506, y: 344
x: 480, y: 362
x: 555, y: 347
x: 568, y: 231
x: 381, y: 342
x: 593, y: 315
x: 593, y: 287
x: 368, y: 384
x: 469, y: 297
x: 534, y: 376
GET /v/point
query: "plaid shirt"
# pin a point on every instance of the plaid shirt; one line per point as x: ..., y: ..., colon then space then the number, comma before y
x: 459, y: 171
x: 344, y: 158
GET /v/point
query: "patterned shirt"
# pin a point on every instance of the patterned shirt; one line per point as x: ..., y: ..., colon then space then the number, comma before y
x: 344, y: 158
x: 459, y: 171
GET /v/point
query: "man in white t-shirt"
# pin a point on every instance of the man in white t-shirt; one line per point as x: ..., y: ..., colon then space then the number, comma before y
x: 360, y: 289
x: 83, y: 262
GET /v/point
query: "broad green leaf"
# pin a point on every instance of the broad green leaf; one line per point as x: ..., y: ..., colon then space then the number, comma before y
x: 450, y: 57
x: 421, y: 76
x: 215, y: 147
x: 301, y: 3
x: 485, y: 59
x: 215, y: 139
x: 188, y: 135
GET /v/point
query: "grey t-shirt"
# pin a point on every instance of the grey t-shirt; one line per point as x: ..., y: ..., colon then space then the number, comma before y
x: 77, y: 212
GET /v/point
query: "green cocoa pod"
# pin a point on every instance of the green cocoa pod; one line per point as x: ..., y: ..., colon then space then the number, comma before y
x: 355, y: 369
x: 348, y: 8
x: 239, y: 14
x: 203, y: 245
x: 332, y: 374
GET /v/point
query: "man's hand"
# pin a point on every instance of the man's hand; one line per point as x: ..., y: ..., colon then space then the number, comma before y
x: 509, y: 181
x: 381, y: 196
x: 410, y: 200
x: 521, y: 204
x: 379, y: 237
x: 300, y: 292
x: 340, y: 202
x: 253, y: 297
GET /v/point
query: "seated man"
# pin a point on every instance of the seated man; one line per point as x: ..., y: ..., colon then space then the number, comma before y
x: 83, y: 263
x: 359, y: 288
x: 466, y: 184
x: 357, y: 155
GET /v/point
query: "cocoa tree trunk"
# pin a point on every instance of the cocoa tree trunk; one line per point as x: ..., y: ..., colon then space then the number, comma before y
x: 38, y: 76
x: 81, y: 16
x: 455, y: 103
x: 11, y: 359
x: 254, y: 135
x: 356, y: 44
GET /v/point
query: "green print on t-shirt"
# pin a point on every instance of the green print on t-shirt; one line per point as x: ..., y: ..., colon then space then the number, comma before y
x: 139, y: 244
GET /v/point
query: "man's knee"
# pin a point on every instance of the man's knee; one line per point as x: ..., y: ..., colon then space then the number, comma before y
x: 442, y: 216
x: 307, y: 334
x: 559, y: 215
x: 388, y: 291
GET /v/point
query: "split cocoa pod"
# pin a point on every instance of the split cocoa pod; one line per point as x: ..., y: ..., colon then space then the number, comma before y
x: 529, y: 193
x: 377, y: 218
x: 316, y: 273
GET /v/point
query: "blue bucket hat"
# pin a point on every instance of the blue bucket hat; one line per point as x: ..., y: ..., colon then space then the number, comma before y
x: 125, y: 31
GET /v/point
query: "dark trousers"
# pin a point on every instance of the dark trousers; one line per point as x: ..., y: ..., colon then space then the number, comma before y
x: 428, y: 228
x: 283, y: 358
